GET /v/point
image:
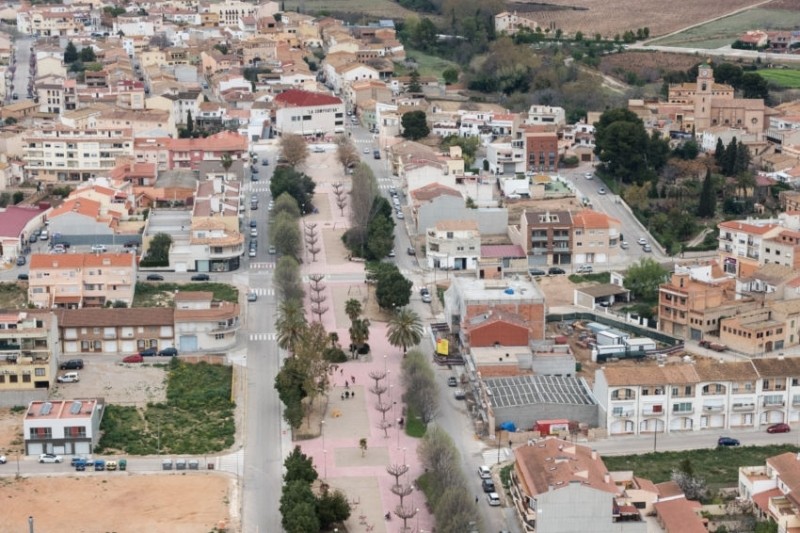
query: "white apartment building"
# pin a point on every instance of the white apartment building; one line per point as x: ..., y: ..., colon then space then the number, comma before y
x: 453, y: 245
x: 308, y: 113
x: 743, y: 244
x: 698, y: 396
x: 63, y: 154
x: 545, y: 115
x: 63, y: 427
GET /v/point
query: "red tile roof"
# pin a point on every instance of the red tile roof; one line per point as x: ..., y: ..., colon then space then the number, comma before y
x: 49, y: 261
x: 298, y: 98
x: 14, y: 219
x: 679, y: 516
x: 502, y: 250
x: 220, y: 142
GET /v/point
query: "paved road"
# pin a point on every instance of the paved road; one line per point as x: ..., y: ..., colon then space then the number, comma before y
x: 725, y: 52
x: 263, y: 431
x: 22, y: 73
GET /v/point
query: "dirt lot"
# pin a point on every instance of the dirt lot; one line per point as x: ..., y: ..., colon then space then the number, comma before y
x: 609, y: 17
x: 117, y: 502
x: 648, y: 66
x: 121, y: 384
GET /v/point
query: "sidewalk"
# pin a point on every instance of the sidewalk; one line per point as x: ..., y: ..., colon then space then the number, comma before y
x: 336, y: 453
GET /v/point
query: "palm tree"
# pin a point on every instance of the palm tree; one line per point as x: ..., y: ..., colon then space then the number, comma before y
x: 227, y: 162
x: 291, y: 325
x: 405, y: 329
x: 353, y: 309
x: 359, y: 332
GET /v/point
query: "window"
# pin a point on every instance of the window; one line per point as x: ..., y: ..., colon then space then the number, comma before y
x: 219, y: 336
x: 40, y: 371
x: 683, y: 407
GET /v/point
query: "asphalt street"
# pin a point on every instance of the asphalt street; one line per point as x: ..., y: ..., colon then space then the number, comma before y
x: 22, y: 71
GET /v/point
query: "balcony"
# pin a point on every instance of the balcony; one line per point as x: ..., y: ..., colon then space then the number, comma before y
x: 647, y: 411
x: 742, y: 407
x: 713, y: 408
x: 685, y: 412
x: 773, y: 403
x: 622, y: 414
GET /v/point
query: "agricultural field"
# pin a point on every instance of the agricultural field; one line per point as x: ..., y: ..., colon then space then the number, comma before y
x: 723, y: 32
x: 647, y: 66
x: 427, y: 65
x: 787, y: 78
x: 358, y: 11
x: 609, y: 17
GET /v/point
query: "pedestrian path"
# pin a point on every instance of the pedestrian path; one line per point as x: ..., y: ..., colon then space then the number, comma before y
x: 255, y: 186
x: 256, y: 337
x: 261, y: 266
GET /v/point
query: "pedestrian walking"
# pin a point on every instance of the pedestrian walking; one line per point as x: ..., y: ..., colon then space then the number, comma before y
x: 353, y: 379
x: 342, y: 396
x: 476, y: 500
x: 346, y: 385
x: 353, y: 394
x: 346, y: 395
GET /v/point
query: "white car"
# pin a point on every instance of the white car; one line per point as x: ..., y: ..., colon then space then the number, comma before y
x: 2, y: 459
x: 69, y: 377
x: 642, y: 241
x: 493, y: 498
x: 50, y: 458
x: 601, y: 191
x: 484, y: 472
x: 99, y: 248
x: 366, y: 150
x: 588, y: 175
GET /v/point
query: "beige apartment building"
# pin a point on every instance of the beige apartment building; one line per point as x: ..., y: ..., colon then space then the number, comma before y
x: 453, y: 245
x: 28, y: 351
x: 81, y: 280
x: 63, y: 154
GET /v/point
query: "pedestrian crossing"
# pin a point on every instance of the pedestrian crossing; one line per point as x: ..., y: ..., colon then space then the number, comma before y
x: 256, y: 187
x: 261, y: 266
x: 263, y: 337
x: 263, y: 291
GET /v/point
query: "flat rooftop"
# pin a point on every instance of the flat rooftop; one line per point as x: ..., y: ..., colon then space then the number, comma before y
x: 501, y: 290
x: 528, y: 390
x: 60, y: 409
x: 494, y: 355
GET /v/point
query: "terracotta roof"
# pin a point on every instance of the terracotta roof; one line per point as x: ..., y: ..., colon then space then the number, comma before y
x: 680, y: 516
x: 222, y: 141
x: 224, y: 310
x: 14, y: 219
x: 592, y: 219
x: 134, y: 316
x: 668, y: 489
x: 502, y: 250
x: 650, y: 374
x: 762, y: 498
x: 777, y: 367
x: 194, y: 296
x: 456, y: 225
x: 433, y: 190
x: 708, y: 370
x: 50, y: 261
x: 552, y: 463
x: 749, y: 228
x: 298, y: 98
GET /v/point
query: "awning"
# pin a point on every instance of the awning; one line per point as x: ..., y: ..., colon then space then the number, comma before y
x: 67, y: 299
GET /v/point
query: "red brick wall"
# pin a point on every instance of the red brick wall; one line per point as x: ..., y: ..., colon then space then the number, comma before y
x: 532, y: 313
x: 501, y: 332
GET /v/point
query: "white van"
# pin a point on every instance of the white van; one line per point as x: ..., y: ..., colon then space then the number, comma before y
x: 69, y: 377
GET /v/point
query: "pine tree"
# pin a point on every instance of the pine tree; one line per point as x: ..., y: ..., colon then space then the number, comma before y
x: 708, y: 198
x: 719, y: 153
x: 70, y: 53
x: 189, y: 124
x: 742, y: 158
x: 413, y: 84
x: 730, y: 158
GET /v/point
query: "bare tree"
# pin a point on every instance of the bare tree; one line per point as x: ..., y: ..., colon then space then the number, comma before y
x: 311, y: 237
x: 346, y: 151
x: 379, y: 391
x: 397, y: 471
x: 385, y: 425
x: 377, y: 376
x: 341, y: 197
x: 406, y: 513
x: 316, y: 296
x: 402, y: 491
x: 294, y: 149
x: 383, y: 408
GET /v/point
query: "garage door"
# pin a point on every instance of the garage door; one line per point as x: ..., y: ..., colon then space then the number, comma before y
x: 35, y: 448
x: 716, y: 421
x: 772, y: 417
x: 83, y: 448
x: 128, y: 347
x: 71, y: 347
x: 110, y: 346
x: 181, y: 267
x: 188, y: 343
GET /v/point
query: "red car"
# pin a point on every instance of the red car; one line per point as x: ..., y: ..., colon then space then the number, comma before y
x: 136, y: 358
x: 779, y: 428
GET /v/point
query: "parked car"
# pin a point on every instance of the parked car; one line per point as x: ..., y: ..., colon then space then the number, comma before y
x: 452, y: 381
x: 484, y: 472
x: 77, y: 459
x: 69, y: 377
x: 779, y: 428
x: 148, y: 352
x: 22, y: 277
x: 584, y: 269
x: 366, y: 150
x: 72, y: 364
x: 21, y: 260
x: 252, y: 252
x: 201, y: 277
x: 265, y: 162
x: 493, y: 498
x: 131, y: 244
x: 252, y: 297
x: 727, y: 441
x: 624, y: 245
x: 253, y: 223
x: 111, y: 465
x: 411, y: 250
x: 588, y: 175
x: 99, y: 248
x: 647, y: 248
x: 536, y: 272
x: 135, y: 358
x: 426, y: 295
x: 272, y: 250
x: 99, y: 465
x: 601, y: 190
x: 642, y: 241
x: 50, y: 458
x: 3, y: 459
x: 168, y: 352
x: 154, y: 277
x: 400, y: 215
x: 553, y: 271
x: 459, y: 394
x: 488, y: 485
x: 392, y: 253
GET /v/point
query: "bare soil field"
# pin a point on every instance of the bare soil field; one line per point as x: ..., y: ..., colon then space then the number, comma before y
x: 10, y: 432
x: 121, y: 384
x: 116, y: 501
x: 357, y: 9
x: 648, y: 66
x: 609, y: 17
x: 788, y: 5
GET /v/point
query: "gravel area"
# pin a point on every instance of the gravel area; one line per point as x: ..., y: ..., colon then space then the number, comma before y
x: 118, y: 383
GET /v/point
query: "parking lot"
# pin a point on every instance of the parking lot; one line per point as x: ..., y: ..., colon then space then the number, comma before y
x: 103, y: 376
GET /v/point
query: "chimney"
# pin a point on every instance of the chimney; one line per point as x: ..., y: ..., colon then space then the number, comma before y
x: 594, y: 455
x: 607, y: 477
